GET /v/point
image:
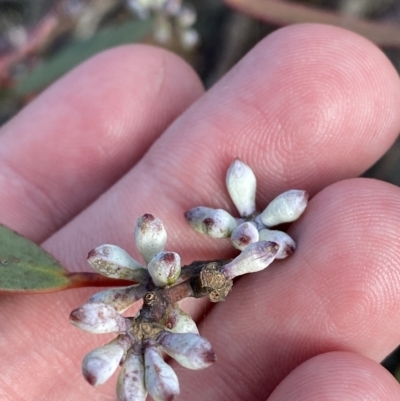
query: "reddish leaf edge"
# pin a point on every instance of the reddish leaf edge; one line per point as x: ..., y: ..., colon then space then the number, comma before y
x: 76, y: 280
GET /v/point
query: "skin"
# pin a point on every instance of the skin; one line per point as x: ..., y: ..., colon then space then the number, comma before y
x: 131, y: 131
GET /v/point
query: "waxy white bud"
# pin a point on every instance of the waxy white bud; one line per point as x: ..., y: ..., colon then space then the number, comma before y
x: 98, y: 318
x: 286, y: 244
x: 216, y: 223
x: 150, y: 236
x: 120, y: 298
x: 180, y: 322
x: 112, y: 261
x: 131, y: 385
x: 196, y: 216
x: 100, y: 364
x: 255, y: 257
x: 244, y: 235
x: 165, y: 268
x: 161, y: 380
x: 188, y: 349
x: 285, y: 208
x: 241, y: 183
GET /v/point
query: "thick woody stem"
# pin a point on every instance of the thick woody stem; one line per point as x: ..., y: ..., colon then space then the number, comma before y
x: 201, y: 279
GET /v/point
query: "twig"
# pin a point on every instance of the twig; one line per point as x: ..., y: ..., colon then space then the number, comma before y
x: 284, y: 13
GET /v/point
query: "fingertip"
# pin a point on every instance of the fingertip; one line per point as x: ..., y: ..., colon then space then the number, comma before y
x: 323, y: 94
x: 85, y: 131
x: 337, y: 376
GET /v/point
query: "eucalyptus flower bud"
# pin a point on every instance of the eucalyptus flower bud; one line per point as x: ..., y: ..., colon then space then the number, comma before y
x: 285, y: 208
x: 286, y: 244
x: 112, y: 261
x: 244, y: 235
x: 100, y: 364
x: 98, y: 318
x: 120, y: 298
x: 131, y: 385
x: 188, y: 349
x: 180, y: 322
x: 196, y: 216
x: 161, y: 380
x: 165, y: 268
x: 150, y: 236
x: 216, y: 223
x: 241, y: 184
x: 255, y: 257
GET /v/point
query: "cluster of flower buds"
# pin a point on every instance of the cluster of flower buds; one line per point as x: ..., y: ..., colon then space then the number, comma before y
x: 169, y: 16
x: 139, y: 344
x: 252, y: 227
x: 161, y: 326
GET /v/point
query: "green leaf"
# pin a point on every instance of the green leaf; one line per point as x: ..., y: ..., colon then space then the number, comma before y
x: 78, y: 51
x: 26, y: 267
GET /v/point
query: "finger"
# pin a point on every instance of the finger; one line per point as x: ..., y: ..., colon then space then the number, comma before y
x: 83, y: 133
x: 187, y: 165
x: 296, y: 120
x: 337, y: 292
x: 338, y: 376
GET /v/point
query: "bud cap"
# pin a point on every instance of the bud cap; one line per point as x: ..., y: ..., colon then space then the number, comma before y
x: 112, y: 261
x: 241, y: 184
x: 216, y: 223
x: 286, y: 244
x: 98, y: 318
x: 285, y: 208
x: 244, y: 235
x: 165, y: 268
x: 180, y: 322
x: 100, y: 364
x: 150, y: 236
x: 161, y: 380
x: 188, y: 349
x: 130, y: 385
x: 255, y: 257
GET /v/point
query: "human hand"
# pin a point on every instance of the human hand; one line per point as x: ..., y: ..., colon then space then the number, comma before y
x: 308, y: 108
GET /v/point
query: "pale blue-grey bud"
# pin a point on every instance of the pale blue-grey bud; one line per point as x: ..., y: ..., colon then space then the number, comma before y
x: 150, y: 236
x: 161, y: 380
x: 188, y: 349
x: 255, y: 257
x: 285, y: 208
x: 286, y: 244
x: 244, y: 235
x: 241, y: 184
